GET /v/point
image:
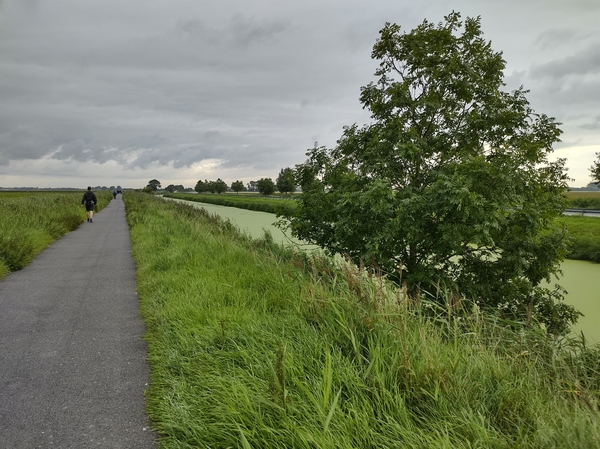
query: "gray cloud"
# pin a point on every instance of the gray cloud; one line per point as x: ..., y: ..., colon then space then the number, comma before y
x: 557, y: 37
x: 593, y: 125
x: 581, y: 63
x: 244, y: 86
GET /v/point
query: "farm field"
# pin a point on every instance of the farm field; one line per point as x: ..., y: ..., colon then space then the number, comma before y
x: 584, y: 200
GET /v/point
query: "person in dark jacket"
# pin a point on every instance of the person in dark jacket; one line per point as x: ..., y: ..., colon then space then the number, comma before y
x: 89, y: 200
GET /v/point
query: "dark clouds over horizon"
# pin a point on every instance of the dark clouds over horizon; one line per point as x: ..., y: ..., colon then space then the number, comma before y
x: 120, y: 92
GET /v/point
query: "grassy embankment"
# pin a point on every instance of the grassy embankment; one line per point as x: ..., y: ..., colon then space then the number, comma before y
x: 274, y: 205
x: 33, y: 220
x: 584, y: 231
x: 584, y: 200
x: 585, y: 237
x: 252, y: 346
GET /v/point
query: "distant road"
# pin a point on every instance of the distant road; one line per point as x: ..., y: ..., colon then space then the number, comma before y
x: 73, y: 364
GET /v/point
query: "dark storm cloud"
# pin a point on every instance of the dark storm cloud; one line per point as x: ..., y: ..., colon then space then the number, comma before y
x: 581, y: 63
x: 593, y: 125
x: 24, y: 142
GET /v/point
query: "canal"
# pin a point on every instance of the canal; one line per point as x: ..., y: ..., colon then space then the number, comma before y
x: 579, y: 278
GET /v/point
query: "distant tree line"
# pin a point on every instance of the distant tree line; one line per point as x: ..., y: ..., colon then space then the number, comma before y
x: 285, y: 183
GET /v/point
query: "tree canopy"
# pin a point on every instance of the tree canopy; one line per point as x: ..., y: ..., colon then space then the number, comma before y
x: 219, y: 186
x: 154, y: 185
x: 286, y: 181
x: 450, y: 187
x: 265, y: 186
x: 595, y: 170
x: 237, y: 186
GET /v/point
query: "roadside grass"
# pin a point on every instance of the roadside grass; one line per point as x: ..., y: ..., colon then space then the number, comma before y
x: 584, y: 200
x: 584, y: 233
x: 254, y: 346
x: 31, y: 221
x: 274, y: 205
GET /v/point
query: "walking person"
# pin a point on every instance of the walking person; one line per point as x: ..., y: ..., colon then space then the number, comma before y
x: 115, y: 194
x: 89, y: 200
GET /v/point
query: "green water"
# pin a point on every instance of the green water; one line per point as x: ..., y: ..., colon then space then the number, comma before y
x: 581, y: 279
x: 252, y: 222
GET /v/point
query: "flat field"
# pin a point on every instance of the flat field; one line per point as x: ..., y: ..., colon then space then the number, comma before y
x: 32, y: 220
x: 584, y: 200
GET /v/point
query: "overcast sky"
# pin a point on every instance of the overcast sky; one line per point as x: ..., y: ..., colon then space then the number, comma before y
x: 118, y: 92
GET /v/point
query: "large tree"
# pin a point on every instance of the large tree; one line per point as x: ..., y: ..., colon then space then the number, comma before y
x: 153, y: 184
x: 220, y: 186
x: 595, y: 170
x: 286, y: 182
x: 265, y: 186
x: 450, y: 187
x: 237, y: 186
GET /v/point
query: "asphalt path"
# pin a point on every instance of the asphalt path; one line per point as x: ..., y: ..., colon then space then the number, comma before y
x: 73, y: 364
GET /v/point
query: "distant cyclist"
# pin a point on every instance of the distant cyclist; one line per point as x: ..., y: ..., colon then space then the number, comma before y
x: 89, y: 200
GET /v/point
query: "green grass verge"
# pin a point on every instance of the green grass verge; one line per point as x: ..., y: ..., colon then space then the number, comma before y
x: 584, y: 200
x: 33, y: 220
x: 584, y: 233
x: 278, y: 205
x: 254, y: 346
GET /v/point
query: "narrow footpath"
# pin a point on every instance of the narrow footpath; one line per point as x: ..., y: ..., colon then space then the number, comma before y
x: 73, y: 364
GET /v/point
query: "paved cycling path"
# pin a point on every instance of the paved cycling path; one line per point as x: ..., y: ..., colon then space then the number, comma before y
x: 72, y: 360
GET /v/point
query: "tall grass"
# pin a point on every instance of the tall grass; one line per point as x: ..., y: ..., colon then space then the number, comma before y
x: 254, y: 346
x: 584, y: 235
x: 33, y: 220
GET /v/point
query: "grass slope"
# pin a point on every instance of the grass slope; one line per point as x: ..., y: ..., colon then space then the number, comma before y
x: 254, y: 347
x: 277, y: 205
x: 584, y: 233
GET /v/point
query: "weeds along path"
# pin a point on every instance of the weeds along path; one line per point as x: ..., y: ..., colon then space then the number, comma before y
x: 73, y: 360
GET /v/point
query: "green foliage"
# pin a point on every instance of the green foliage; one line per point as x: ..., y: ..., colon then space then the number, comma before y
x: 451, y: 184
x: 595, y: 170
x: 584, y: 237
x: 33, y: 220
x: 174, y: 188
x: 254, y: 346
x: 219, y: 186
x: 278, y: 206
x: 286, y: 182
x: 265, y: 186
x: 154, y: 184
x: 237, y: 186
x: 201, y: 186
